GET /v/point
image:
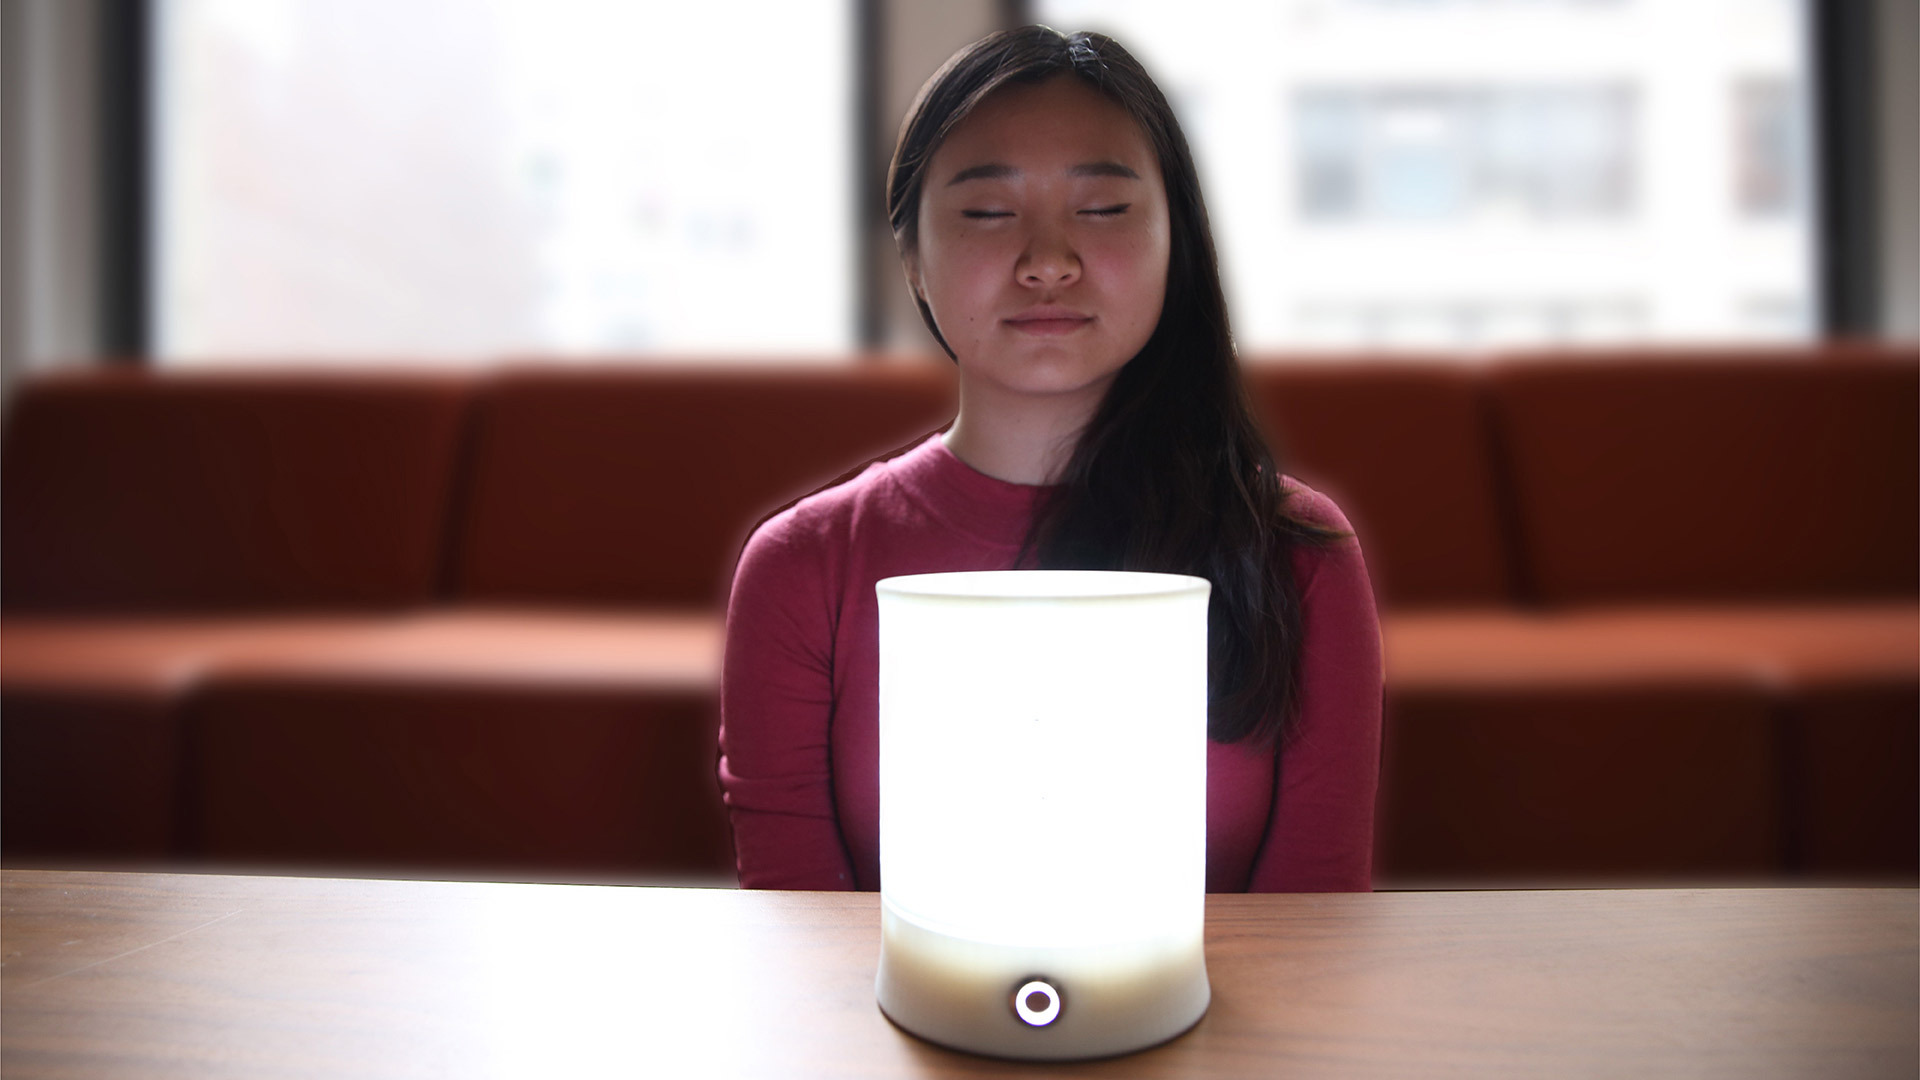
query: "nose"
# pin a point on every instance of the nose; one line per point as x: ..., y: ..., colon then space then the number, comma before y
x: 1049, y: 261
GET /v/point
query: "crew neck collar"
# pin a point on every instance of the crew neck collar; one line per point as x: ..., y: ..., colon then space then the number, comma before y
x: 985, y: 507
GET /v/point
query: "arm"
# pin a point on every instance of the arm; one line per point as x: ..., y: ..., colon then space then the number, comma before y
x: 776, y: 703
x: 1320, y: 838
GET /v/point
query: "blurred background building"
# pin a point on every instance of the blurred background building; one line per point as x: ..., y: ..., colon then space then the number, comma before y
x: 266, y: 181
x: 1465, y: 173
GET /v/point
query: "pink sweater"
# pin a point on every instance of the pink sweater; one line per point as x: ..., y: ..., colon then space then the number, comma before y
x: 799, y: 738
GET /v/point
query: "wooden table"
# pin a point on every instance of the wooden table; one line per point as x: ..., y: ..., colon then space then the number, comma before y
x: 162, y: 975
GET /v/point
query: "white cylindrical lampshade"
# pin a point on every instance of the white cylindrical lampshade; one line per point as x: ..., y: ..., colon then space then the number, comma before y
x: 1043, y: 803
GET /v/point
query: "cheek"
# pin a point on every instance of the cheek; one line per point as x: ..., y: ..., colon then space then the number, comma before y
x: 1137, y: 267
x: 960, y: 277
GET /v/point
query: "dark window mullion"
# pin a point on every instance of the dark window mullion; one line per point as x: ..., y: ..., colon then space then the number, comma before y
x: 1849, y: 211
x: 125, y: 179
x: 869, y: 169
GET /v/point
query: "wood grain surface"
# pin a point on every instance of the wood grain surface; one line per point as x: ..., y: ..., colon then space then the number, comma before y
x: 121, y: 975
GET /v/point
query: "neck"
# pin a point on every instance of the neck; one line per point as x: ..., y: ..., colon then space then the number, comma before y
x: 1020, y: 438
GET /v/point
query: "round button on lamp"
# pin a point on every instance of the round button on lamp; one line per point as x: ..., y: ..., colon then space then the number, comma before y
x: 1043, y: 793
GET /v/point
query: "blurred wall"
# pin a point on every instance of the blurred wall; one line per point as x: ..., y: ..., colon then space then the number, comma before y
x: 49, y: 298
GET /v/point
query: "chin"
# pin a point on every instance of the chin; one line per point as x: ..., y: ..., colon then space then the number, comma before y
x: 1046, y: 372
x: 1060, y: 382
x: 1047, y: 375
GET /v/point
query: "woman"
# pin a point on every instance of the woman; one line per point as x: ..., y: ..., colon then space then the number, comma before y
x: 1051, y: 228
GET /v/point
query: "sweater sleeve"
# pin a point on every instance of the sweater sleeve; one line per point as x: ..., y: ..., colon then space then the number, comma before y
x: 776, y: 707
x: 1320, y: 837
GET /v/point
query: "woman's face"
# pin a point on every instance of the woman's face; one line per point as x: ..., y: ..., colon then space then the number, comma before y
x: 1043, y: 240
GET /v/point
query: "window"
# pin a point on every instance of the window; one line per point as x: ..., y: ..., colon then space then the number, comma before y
x: 462, y: 180
x: 1483, y: 173
x: 1445, y: 154
x: 1770, y: 147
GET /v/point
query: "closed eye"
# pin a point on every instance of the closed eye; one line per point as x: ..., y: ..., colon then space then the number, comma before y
x: 1108, y: 211
x: 981, y: 214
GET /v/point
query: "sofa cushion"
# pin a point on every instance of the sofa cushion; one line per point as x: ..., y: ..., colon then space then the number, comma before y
x: 618, y: 487
x: 1403, y: 448
x: 90, y: 744
x: 88, y: 779
x: 1637, y: 743
x: 158, y: 658
x: 528, y: 742
x: 1853, y: 800
x: 129, y: 491
x: 552, y: 780
x: 1783, y: 648
x: 162, y: 659
x: 519, y: 742
x: 1714, y: 476
x: 1556, y: 786
x: 514, y: 648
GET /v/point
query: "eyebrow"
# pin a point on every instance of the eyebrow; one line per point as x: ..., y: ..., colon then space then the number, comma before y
x: 997, y: 171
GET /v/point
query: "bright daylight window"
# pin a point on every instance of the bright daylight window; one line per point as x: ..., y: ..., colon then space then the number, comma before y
x: 1484, y: 173
x: 461, y: 180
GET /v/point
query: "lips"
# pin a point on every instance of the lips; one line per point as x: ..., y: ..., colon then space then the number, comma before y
x: 1048, y: 320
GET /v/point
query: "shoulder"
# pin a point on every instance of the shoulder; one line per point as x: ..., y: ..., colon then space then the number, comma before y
x: 1332, y: 565
x: 791, y: 569
x: 1310, y: 507
x: 1341, y: 650
x: 815, y: 528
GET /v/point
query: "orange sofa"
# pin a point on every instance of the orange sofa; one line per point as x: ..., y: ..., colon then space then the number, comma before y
x: 1647, y: 617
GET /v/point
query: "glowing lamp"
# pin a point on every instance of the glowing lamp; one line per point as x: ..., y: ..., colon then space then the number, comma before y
x: 1043, y: 804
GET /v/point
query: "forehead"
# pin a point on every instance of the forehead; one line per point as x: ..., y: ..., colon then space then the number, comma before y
x: 1058, y: 123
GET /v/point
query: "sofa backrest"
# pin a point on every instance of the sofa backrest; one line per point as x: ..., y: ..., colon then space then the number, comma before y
x: 1714, y: 475
x: 615, y: 486
x: 1403, y: 448
x: 1557, y: 478
x: 133, y: 491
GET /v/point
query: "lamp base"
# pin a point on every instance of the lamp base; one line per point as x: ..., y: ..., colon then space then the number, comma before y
x: 1039, y: 1004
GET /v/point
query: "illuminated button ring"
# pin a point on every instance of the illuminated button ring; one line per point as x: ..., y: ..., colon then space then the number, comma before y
x: 1037, y: 1003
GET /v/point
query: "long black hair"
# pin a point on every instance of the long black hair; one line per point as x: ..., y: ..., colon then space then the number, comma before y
x: 1171, y: 473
